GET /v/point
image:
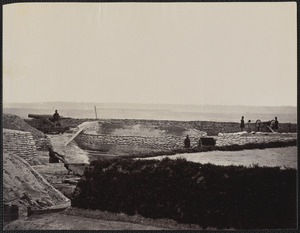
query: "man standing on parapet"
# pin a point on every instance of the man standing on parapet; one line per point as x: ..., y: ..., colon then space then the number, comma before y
x: 242, y: 125
x: 275, y: 127
x: 56, y: 118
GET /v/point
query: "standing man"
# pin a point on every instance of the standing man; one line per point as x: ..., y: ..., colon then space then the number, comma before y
x: 249, y: 128
x: 276, y: 124
x: 187, y: 142
x: 242, y: 125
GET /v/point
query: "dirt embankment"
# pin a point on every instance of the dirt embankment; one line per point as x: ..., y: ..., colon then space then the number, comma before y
x: 14, y: 122
x: 130, y: 136
x: 24, y: 187
x: 124, y: 139
x: 72, y: 218
x: 212, y: 128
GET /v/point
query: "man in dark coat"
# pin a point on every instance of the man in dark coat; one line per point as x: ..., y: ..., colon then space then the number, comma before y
x: 276, y: 123
x: 56, y: 118
x: 242, y: 125
x: 187, y: 142
x: 54, y: 157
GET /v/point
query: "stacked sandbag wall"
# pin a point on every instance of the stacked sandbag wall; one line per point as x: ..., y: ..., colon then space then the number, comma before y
x: 14, y: 122
x: 165, y: 142
x: 226, y: 139
x: 19, y: 143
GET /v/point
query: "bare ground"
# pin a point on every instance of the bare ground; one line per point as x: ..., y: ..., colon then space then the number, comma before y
x: 271, y: 157
x: 60, y: 221
x: 79, y: 219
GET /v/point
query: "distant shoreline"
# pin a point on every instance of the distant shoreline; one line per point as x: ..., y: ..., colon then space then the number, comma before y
x: 151, y: 114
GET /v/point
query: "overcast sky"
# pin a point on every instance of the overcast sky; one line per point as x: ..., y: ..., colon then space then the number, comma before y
x: 179, y: 53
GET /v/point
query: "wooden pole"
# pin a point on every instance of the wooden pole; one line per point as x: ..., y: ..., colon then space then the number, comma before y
x: 95, y: 111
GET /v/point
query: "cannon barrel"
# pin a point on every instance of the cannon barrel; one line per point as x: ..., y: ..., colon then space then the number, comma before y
x: 45, y: 118
x: 39, y: 116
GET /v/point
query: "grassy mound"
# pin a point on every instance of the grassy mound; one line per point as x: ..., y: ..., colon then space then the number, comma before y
x: 207, y: 195
x: 16, y: 123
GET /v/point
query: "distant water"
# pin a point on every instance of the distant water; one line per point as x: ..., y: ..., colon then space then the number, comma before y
x: 154, y: 115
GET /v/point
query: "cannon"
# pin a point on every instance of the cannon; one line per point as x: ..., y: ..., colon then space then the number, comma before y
x: 260, y: 125
x: 46, y: 124
x: 207, y: 141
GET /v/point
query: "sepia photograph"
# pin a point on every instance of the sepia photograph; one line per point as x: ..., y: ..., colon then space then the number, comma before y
x: 149, y: 116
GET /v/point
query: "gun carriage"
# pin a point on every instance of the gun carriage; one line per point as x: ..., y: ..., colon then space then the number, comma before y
x: 46, y: 124
x: 264, y: 125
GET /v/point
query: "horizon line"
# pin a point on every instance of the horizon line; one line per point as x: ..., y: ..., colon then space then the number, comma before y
x: 94, y: 102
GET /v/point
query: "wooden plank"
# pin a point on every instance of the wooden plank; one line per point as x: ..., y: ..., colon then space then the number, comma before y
x: 81, y: 127
x: 60, y: 158
x: 77, y: 169
x: 70, y: 181
x: 74, y: 136
x: 31, y: 211
x: 270, y: 129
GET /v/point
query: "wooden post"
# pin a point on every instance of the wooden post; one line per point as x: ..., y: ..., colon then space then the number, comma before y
x: 95, y: 112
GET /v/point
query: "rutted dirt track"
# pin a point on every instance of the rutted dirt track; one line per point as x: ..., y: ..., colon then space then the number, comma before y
x: 273, y: 157
x: 59, y: 221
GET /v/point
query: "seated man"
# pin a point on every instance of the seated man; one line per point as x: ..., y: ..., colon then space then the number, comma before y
x: 54, y: 157
x: 56, y: 118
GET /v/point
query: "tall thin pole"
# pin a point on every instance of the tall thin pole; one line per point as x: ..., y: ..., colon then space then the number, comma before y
x: 95, y: 111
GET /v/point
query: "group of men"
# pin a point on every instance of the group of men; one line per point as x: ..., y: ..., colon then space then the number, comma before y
x: 55, y: 157
x: 273, y: 124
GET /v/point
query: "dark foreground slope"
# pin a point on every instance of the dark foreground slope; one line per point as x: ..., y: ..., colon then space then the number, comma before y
x: 207, y: 195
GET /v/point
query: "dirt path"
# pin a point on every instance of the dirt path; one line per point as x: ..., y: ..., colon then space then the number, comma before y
x: 81, y: 219
x: 57, y: 175
x: 59, y: 221
x: 72, y: 152
x: 285, y: 156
